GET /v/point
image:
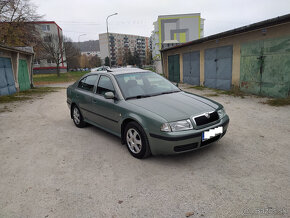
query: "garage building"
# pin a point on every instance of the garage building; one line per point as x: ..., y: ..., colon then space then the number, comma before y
x: 15, y: 69
x: 255, y: 58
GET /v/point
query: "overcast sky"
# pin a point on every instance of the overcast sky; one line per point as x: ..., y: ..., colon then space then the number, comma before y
x: 88, y: 17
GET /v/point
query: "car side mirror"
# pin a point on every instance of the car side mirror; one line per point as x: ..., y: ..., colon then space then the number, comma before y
x: 109, y: 95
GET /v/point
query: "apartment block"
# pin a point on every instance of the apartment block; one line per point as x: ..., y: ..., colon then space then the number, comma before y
x: 119, y: 43
x: 47, y: 28
x: 171, y: 30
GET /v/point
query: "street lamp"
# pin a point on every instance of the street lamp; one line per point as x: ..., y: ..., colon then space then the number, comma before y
x: 108, y: 37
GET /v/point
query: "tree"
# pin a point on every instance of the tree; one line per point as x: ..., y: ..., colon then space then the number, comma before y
x: 107, y: 61
x: 148, y: 57
x: 16, y: 27
x: 137, y: 60
x: 72, y: 53
x: 128, y: 58
x: 95, y: 61
x: 52, y: 47
x: 84, y: 61
x: 120, y: 57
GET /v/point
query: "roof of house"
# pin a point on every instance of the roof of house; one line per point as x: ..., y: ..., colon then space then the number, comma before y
x: 47, y: 22
x: 17, y: 49
x: 243, y: 29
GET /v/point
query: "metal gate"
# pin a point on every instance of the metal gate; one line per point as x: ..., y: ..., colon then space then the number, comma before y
x: 218, y: 67
x: 23, y: 76
x: 7, y: 83
x: 174, y: 68
x: 191, y: 68
x: 265, y: 67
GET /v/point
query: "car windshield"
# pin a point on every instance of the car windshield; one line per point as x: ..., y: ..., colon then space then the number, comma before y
x: 144, y: 84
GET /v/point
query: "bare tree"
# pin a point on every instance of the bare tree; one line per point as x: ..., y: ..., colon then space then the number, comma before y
x: 16, y: 28
x: 120, y: 57
x: 95, y: 61
x: 72, y: 53
x: 52, y: 47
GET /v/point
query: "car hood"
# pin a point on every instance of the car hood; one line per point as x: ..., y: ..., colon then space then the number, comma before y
x: 176, y: 106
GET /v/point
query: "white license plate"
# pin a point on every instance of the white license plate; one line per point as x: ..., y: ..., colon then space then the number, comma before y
x: 212, y: 133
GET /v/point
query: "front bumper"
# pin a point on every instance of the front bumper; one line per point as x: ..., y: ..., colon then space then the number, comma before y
x: 184, y: 141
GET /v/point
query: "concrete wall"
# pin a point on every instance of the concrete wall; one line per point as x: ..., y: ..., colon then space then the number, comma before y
x: 281, y: 30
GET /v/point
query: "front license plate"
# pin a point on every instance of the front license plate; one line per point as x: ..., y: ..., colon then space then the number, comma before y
x: 212, y: 133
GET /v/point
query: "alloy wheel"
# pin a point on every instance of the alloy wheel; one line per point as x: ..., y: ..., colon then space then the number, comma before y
x: 134, y: 141
x: 76, y: 115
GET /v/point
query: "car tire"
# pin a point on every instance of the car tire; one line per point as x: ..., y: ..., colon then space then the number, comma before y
x: 77, y: 117
x: 136, y: 141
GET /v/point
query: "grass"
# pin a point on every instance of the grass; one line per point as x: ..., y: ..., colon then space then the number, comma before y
x: 212, y: 95
x: 27, y: 95
x: 198, y: 87
x: 53, y: 78
x: 149, y: 68
x: 233, y: 92
x: 236, y: 92
x: 278, y: 102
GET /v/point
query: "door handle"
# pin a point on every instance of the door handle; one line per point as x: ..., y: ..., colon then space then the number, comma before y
x: 94, y: 101
x: 77, y: 95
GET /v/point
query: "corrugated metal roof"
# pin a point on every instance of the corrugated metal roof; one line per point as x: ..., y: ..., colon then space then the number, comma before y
x: 244, y: 29
x: 20, y: 50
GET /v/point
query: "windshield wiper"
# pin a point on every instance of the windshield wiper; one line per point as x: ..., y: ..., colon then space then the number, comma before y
x: 138, y: 96
x: 169, y: 92
x: 146, y: 96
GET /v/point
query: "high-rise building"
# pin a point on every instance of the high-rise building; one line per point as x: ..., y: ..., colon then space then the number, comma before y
x: 121, y: 43
x: 170, y: 30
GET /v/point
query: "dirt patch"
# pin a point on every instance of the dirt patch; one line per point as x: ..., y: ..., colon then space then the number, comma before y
x: 278, y: 102
x: 51, y: 168
x: 28, y: 95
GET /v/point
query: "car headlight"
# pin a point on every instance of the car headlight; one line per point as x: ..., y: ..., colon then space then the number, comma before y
x: 221, y: 113
x: 177, y: 126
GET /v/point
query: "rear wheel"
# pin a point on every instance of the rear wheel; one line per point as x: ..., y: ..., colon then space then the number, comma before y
x: 136, y: 141
x: 77, y: 117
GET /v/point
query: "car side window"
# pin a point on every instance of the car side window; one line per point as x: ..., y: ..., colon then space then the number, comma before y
x: 105, y: 85
x: 88, y: 83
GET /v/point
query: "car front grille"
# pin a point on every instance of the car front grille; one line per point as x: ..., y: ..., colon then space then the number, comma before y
x: 203, y: 120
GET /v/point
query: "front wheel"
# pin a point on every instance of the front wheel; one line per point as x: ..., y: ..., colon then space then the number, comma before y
x: 77, y: 117
x: 136, y: 141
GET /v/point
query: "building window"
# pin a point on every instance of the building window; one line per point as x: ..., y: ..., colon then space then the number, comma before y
x: 45, y: 27
x: 36, y: 61
x: 50, y: 61
x: 47, y: 38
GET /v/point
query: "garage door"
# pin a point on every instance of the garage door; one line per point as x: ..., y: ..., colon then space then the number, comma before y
x: 7, y: 83
x: 191, y: 68
x: 23, y: 76
x: 174, y: 68
x: 218, y: 67
x: 265, y: 67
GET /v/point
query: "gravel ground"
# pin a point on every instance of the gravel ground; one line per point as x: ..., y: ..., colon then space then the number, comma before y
x: 50, y: 168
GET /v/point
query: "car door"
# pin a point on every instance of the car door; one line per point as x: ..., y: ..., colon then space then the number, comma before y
x: 84, y: 93
x: 107, y: 110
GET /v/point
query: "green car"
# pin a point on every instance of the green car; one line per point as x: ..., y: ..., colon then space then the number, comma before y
x: 149, y: 113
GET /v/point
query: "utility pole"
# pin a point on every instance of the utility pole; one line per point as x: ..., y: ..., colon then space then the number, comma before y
x: 108, y: 37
